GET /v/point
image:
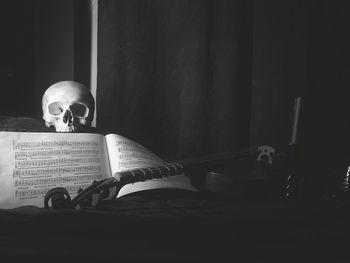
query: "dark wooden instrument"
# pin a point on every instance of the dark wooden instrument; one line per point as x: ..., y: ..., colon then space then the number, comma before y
x: 109, y: 188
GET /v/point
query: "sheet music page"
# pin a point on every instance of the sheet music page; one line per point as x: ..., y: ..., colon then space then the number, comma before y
x: 33, y: 163
x: 125, y: 154
x: 179, y: 181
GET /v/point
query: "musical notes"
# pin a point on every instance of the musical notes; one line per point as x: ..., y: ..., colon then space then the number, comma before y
x: 130, y: 158
x: 33, y: 163
x: 52, y: 144
x: 57, y: 171
x: 41, y: 165
x: 57, y: 180
x: 31, y: 193
x: 60, y: 152
x: 53, y: 162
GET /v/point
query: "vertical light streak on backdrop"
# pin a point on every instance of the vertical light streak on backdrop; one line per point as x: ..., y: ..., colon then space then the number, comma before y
x: 93, y: 64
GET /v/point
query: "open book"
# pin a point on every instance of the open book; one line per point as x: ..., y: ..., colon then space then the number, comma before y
x: 33, y: 163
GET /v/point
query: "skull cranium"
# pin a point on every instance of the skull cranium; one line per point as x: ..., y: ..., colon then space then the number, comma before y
x: 68, y: 106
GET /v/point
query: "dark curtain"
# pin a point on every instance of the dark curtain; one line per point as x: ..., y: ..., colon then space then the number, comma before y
x: 17, y: 73
x: 326, y: 137
x: 180, y: 76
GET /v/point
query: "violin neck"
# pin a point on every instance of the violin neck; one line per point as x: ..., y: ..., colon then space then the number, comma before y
x: 219, y: 158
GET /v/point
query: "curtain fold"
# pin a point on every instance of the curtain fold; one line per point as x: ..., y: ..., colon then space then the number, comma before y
x: 175, y: 75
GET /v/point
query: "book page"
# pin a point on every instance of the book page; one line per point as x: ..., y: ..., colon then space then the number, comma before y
x: 179, y: 181
x: 33, y: 163
x: 125, y: 154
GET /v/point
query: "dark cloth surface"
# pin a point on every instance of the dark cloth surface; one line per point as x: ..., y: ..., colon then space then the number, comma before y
x: 22, y: 124
x: 174, y: 226
x: 28, y: 124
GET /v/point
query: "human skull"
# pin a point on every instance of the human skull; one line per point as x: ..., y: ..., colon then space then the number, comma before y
x: 68, y: 106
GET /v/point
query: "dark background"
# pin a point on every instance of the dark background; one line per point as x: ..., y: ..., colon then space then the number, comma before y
x: 286, y: 49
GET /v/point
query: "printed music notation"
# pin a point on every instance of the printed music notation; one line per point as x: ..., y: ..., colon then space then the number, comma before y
x: 40, y: 165
x: 57, y: 170
x: 124, y: 149
x: 53, y: 162
x: 57, y: 180
x: 136, y: 156
x: 129, y: 158
x: 132, y: 158
x: 49, y: 144
x: 25, y: 193
x: 128, y: 143
x: 134, y: 163
x: 60, y: 152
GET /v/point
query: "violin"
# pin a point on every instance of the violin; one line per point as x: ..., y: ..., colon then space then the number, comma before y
x: 108, y: 189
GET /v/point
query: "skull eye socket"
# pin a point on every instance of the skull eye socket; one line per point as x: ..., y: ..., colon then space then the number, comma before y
x: 55, y: 108
x: 79, y: 110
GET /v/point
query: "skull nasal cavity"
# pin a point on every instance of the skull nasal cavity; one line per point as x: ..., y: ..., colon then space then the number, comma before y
x: 68, y: 117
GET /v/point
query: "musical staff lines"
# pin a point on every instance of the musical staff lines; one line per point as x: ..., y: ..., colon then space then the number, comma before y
x: 53, y: 144
x: 130, y: 164
x: 54, y: 162
x: 58, y: 152
x: 41, y: 165
x: 58, y: 171
x: 28, y: 193
x: 57, y: 180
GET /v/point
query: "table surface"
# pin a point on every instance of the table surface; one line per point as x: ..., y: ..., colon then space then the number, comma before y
x: 175, y: 226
